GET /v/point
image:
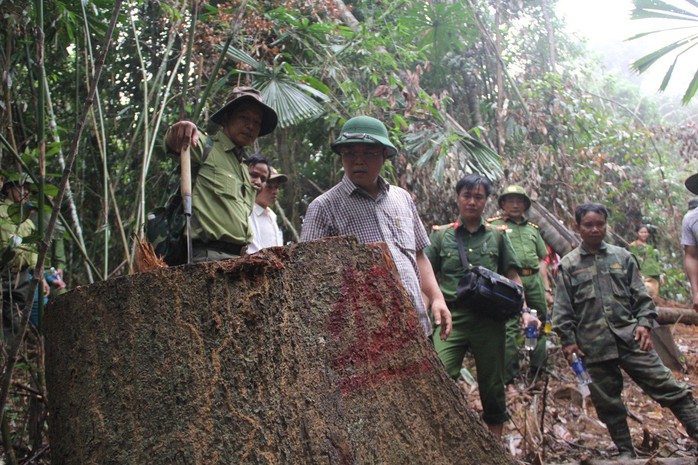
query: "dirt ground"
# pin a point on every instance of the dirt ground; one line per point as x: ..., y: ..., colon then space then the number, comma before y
x: 553, y: 423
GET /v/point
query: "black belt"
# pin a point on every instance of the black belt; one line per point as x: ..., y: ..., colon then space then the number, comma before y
x: 528, y: 271
x: 220, y: 246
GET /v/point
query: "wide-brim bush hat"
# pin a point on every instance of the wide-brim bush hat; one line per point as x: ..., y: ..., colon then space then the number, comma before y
x: 692, y: 183
x: 514, y: 190
x: 364, y: 130
x: 241, y: 95
x: 276, y: 176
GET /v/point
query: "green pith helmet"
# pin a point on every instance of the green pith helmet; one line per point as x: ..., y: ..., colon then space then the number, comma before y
x: 514, y: 190
x: 364, y: 130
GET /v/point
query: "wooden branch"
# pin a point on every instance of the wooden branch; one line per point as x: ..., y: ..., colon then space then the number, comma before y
x: 670, y: 315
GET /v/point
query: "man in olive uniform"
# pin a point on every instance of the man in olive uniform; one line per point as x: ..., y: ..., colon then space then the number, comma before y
x: 531, y: 252
x: 604, y: 313
x: 471, y: 329
x: 222, y: 194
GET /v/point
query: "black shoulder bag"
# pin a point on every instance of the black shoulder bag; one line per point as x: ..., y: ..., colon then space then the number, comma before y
x: 488, y: 292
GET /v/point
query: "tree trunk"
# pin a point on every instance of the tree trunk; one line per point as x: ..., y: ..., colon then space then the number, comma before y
x: 309, y: 355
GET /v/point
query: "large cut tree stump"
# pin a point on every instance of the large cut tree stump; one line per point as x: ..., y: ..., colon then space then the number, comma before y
x: 309, y: 355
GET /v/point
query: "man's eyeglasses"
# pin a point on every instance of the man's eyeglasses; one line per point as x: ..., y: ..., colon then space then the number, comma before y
x: 359, y: 136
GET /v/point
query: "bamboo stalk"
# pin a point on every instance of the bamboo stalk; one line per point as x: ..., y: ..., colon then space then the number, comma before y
x: 43, y: 245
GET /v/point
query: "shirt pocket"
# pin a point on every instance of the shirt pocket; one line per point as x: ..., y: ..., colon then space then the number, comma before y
x: 583, y: 288
x: 620, y: 288
x: 403, y: 232
x: 450, y: 260
x: 228, y: 185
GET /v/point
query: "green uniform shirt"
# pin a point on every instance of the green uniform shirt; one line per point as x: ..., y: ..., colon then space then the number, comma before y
x: 599, y: 298
x: 223, y: 196
x: 22, y: 256
x: 525, y: 238
x: 486, y: 247
x: 648, y: 258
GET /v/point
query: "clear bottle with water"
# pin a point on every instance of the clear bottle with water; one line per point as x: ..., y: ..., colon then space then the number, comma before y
x: 580, y: 370
x: 531, y: 338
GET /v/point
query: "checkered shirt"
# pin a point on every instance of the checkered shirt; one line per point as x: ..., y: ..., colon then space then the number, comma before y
x: 347, y: 210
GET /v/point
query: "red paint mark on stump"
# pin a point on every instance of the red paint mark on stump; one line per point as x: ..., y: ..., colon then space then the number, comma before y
x: 354, y: 317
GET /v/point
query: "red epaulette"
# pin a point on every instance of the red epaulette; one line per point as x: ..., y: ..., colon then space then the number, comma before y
x: 438, y: 227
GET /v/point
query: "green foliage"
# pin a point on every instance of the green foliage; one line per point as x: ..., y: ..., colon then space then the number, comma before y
x: 682, y: 18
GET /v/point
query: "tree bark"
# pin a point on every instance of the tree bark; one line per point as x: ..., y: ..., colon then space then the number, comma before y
x: 309, y: 355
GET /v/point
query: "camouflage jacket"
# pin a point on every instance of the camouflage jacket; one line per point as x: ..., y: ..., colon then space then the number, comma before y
x: 600, y: 298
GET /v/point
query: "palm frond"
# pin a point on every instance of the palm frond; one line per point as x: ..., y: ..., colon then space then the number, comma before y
x: 436, y: 144
x: 294, y: 97
x: 659, y: 9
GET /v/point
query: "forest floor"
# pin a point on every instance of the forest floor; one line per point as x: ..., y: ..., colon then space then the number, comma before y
x: 551, y: 422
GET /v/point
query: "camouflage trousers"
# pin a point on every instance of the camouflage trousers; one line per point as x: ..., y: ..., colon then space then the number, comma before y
x: 645, y: 368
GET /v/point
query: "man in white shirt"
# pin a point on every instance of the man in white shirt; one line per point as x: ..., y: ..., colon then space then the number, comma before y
x: 689, y: 240
x: 265, y: 230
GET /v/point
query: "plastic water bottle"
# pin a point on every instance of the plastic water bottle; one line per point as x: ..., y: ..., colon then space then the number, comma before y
x: 580, y: 370
x: 531, y: 333
x: 548, y: 324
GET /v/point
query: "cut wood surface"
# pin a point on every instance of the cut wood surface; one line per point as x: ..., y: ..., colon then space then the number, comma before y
x: 307, y: 355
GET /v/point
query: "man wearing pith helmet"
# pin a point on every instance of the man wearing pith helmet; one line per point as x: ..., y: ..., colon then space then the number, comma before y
x: 222, y: 194
x: 531, y: 252
x: 364, y: 205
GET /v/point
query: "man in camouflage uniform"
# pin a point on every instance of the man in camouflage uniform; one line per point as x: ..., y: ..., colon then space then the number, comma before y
x: 222, y: 194
x: 531, y: 252
x: 603, y: 312
x: 471, y: 329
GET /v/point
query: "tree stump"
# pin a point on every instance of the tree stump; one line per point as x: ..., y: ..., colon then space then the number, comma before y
x: 307, y: 355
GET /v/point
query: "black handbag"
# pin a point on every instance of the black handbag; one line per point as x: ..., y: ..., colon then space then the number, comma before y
x: 488, y: 292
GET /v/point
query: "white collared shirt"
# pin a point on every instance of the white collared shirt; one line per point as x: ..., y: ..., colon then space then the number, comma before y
x: 265, y: 231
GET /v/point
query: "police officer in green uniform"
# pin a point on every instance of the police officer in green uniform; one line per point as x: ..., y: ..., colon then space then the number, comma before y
x: 486, y: 246
x: 531, y: 252
x: 222, y: 194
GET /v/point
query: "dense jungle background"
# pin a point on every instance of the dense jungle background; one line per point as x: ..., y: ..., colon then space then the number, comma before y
x: 497, y: 87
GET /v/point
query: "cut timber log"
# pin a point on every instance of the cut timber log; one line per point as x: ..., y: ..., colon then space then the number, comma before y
x: 670, y: 315
x: 307, y: 355
x: 560, y: 239
x: 652, y: 461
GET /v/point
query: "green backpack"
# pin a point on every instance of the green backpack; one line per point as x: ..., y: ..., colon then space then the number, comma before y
x: 165, y: 227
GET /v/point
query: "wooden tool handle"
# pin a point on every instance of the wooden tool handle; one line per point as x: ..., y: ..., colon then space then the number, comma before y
x: 185, y: 164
